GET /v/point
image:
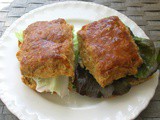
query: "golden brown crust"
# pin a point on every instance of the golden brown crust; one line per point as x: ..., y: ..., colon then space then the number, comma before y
x: 47, y: 50
x: 108, y: 50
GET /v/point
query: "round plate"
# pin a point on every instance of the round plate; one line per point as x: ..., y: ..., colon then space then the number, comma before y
x: 26, y: 104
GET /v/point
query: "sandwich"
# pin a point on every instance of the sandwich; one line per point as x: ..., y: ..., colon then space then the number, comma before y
x: 46, y: 56
x: 103, y: 59
x: 111, y: 59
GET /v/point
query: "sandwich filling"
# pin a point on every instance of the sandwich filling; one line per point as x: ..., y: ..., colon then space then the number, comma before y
x: 57, y: 84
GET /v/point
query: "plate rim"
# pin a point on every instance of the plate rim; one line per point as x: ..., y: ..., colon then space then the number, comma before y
x: 12, y: 107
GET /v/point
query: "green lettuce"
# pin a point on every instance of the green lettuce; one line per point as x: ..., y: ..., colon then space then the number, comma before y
x: 19, y: 35
x: 75, y: 43
x: 57, y: 84
x: 149, y: 54
x: 149, y: 51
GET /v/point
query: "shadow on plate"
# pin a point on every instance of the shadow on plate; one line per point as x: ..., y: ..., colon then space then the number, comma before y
x: 73, y: 100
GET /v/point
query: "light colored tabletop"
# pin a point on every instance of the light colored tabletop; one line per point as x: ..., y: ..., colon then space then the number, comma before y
x: 146, y: 13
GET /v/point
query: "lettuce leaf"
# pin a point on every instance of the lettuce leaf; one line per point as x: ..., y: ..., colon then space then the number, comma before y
x: 58, y: 84
x: 19, y: 35
x: 75, y: 43
x: 149, y: 51
x: 149, y: 54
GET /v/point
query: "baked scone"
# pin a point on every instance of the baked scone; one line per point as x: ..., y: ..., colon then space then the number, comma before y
x: 108, y: 50
x: 46, y: 52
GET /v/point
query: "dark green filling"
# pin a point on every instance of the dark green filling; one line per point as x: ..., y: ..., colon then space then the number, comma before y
x: 149, y: 55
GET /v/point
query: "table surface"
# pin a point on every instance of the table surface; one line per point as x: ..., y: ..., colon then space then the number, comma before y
x: 146, y: 13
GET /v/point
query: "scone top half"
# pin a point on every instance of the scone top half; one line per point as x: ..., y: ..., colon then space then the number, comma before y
x: 47, y: 50
x: 108, y: 50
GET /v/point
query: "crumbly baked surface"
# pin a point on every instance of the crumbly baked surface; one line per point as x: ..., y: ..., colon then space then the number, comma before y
x: 108, y: 51
x: 47, y: 50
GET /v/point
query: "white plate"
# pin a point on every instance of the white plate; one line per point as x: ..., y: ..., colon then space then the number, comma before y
x: 29, y: 105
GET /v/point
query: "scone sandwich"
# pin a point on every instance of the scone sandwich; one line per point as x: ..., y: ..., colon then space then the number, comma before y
x: 112, y: 59
x: 46, y: 56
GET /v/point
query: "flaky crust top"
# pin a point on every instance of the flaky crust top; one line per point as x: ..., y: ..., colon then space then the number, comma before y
x: 47, y: 50
x: 108, y: 50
